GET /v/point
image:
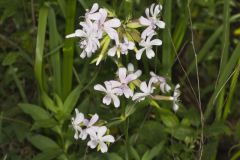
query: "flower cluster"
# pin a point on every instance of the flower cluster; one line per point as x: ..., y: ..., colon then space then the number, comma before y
x: 98, y: 28
x: 119, y: 87
x: 84, y: 128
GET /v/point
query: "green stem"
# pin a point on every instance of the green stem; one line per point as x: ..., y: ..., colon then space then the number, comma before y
x: 127, y: 145
x: 19, y: 85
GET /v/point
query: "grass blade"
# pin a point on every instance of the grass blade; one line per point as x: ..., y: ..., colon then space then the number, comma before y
x: 54, y: 41
x: 38, y: 66
x: 224, y: 77
x: 167, y: 47
x: 68, y: 49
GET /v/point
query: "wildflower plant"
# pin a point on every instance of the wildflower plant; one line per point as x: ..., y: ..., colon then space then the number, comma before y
x: 111, y: 82
x: 103, y: 36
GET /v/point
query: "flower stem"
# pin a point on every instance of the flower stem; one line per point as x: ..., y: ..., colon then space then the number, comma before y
x: 164, y: 98
x: 127, y: 147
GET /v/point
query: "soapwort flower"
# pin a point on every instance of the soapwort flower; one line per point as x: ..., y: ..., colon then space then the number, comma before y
x: 147, y: 46
x: 89, y: 38
x: 130, y: 69
x: 121, y: 48
x: 111, y: 93
x: 123, y: 82
x: 108, y: 25
x: 76, y: 122
x: 99, y: 139
x: 152, y: 21
x: 92, y: 14
x: 175, y: 97
x: 164, y: 87
x: 147, y: 90
x: 88, y: 125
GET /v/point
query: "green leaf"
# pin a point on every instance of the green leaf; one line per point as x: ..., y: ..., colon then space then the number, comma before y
x: 167, y: 117
x: 236, y: 156
x: 152, y: 133
x: 43, y: 143
x: 134, y: 153
x: 48, y: 155
x: 71, y: 100
x: 210, y: 149
x: 10, y: 59
x: 149, y: 155
x: 181, y: 132
x: 36, y: 112
x: 216, y: 129
x: 113, y: 156
x: 134, y: 24
x: 44, y: 123
x: 130, y: 109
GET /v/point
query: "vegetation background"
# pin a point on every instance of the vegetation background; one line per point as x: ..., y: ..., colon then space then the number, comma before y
x: 42, y: 79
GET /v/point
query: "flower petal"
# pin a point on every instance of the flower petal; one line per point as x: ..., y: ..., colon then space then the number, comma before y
x: 94, y: 8
x: 130, y: 67
x: 148, y: 31
x: 113, y: 23
x: 92, y: 144
x: 99, y: 87
x: 101, y: 131
x: 144, y: 87
x: 103, y: 147
x: 156, y: 42
x: 93, y: 120
x: 127, y: 92
x: 150, y: 53
x: 147, y: 12
x: 106, y: 100
x: 139, y: 96
x: 144, y: 21
x: 112, y: 51
x: 122, y: 73
x: 139, y: 53
x: 131, y: 77
x: 160, y: 24
x: 151, y: 9
x: 103, y: 13
x: 112, y: 33
x: 78, y: 33
x: 116, y: 100
x: 108, y: 138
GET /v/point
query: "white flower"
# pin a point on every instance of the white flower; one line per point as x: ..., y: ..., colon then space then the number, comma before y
x: 98, y: 139
x: 124, y: 81
x: 121, y: 48
x: 148, y: 44
x: 130, y: 67
x: 175, y: 97
x: 89, y: 126
x: 147, y: 90
x: 162, y: 81
x: 152, y: 20
x: 89, y: 38
x: 108, y: 25
x: 92, y: 14
x: 110, y: 93
x: 76, y: 122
